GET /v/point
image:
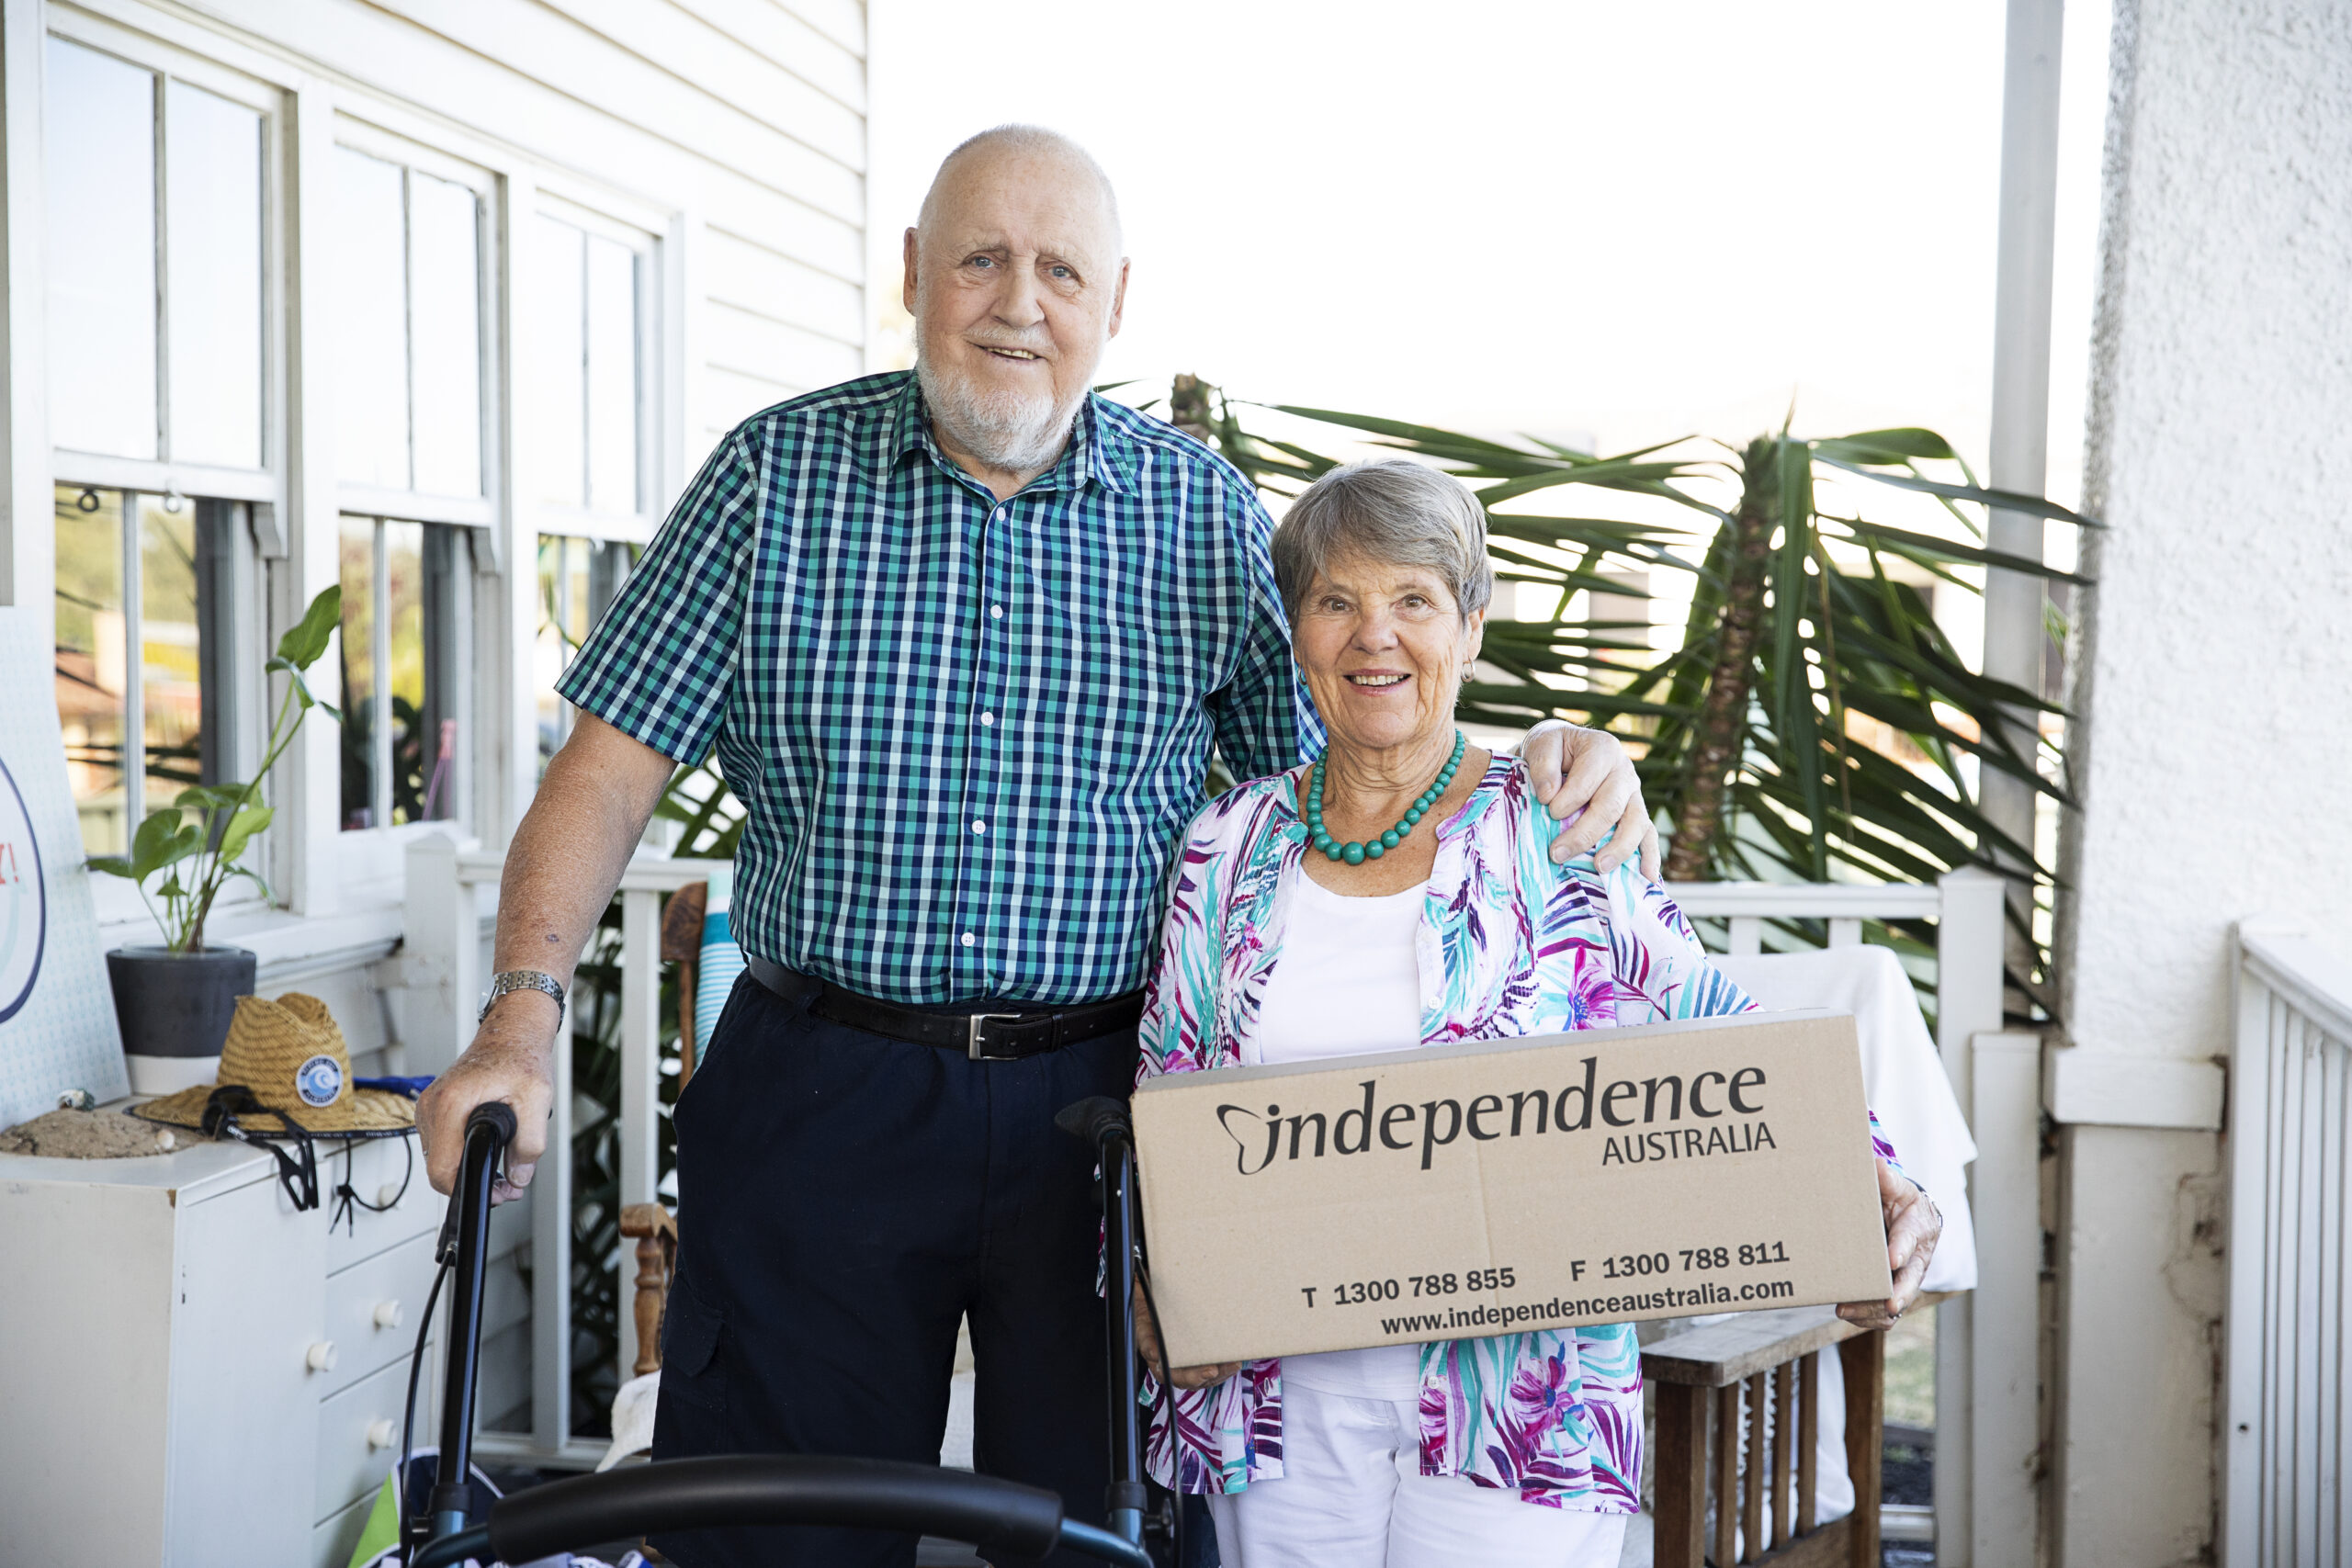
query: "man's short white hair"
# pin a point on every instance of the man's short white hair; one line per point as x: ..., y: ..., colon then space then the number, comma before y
x: 1029, y: 139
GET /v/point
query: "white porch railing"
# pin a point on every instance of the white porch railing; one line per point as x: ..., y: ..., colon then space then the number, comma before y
x: 444, y: 968
x: 2287, y: 1378
x: 1985, y: 1405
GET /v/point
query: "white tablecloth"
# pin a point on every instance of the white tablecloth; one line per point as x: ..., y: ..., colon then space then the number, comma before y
x: 1902, y: 1076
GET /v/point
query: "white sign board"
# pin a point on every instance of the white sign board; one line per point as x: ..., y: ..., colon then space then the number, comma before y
x: 57, y: 1025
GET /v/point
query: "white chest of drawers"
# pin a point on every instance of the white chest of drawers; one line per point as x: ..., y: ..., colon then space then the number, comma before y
x: 191, y: 1372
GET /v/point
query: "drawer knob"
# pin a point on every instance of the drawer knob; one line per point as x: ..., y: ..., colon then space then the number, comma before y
x: 320, y: 1358
x: 388, y: 1315
x: 381, y: 1434
x: 390, y: 1193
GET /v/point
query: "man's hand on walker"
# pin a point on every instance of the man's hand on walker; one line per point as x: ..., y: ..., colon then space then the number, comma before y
x: 512, y: 1059
x: 1913, y: 1224
x: 1577, y: 770
x: 1182, y: 1377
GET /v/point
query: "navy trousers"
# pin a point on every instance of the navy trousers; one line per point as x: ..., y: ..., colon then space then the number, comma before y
x: 844, y: 1200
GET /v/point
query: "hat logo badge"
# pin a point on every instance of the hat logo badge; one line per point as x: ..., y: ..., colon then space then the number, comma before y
x: 318, y: 1081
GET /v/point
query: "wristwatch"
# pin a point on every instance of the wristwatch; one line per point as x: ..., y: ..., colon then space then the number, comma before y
x: 507, y: 980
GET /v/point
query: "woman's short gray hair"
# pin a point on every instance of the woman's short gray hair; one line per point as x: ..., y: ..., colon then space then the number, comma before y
x: 1391, y: 511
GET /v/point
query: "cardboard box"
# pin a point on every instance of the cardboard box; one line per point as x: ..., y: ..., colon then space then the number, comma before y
x: 1455, y: 1192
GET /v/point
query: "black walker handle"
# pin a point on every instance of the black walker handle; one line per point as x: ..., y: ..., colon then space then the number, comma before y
x: 465, y: 1242
x: 778, y: 1489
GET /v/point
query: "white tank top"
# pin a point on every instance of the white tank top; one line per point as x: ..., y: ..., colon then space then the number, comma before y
x: 1348, y: 980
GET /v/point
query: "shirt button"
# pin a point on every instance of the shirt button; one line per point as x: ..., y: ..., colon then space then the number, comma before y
x: 988, y: 718
x: 969, y: 939
x: 996, y: 612
x: 978, y: 825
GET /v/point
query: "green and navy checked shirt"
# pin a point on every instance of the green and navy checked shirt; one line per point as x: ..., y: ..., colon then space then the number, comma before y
x: 968, y: 734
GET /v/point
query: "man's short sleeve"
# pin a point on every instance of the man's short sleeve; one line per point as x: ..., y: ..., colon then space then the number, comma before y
x: 1265, y: 720
x: 661, y: 665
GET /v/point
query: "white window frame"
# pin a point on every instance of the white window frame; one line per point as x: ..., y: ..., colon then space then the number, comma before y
x: 262, y: 490
x: 456, y: 656
x: 423, y: 506
x: 266, y: 485
x: 369, y: 864
x: 605, y: 526
x: 295, y: 502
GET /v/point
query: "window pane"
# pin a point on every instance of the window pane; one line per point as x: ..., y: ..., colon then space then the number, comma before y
x: 448, y: 563
x: 100, y: 142
x: 558, y: 394
x: 612, y: 376
x: 403, y: 569
x: 358, y: 641
x: 212, y: 230
x: 170, y: 652
x: 563, y: 614
x: 371, y: 323
x: 92, y: 660
x: 445, y: 335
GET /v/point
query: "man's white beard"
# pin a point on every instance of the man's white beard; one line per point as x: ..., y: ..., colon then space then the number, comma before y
x: 1005, y: 429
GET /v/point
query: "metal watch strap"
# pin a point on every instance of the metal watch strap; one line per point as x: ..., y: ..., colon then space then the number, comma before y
x: 507, y: 980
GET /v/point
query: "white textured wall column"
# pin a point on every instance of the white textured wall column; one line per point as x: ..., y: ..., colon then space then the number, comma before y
x: 2217, y: 738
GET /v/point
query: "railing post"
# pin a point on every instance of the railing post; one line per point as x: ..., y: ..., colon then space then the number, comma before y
x: 2005, y: 1312
x: 552, y: 1267
x: 640, y: 1066
x: 2242, y: 1369
x: 1681, y: 1476
x: 440, y: 954
x: 1970, y: 945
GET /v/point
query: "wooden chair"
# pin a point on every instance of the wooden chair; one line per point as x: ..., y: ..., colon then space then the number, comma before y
x: 655, y: 1230
x: 1732, y: 1368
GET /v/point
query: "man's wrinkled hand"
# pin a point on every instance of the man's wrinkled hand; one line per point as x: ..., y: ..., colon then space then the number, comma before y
x: 512, y: 1059
x: 1586, y: 781
x: 1913, y: 1225
x: 1182, y: 1377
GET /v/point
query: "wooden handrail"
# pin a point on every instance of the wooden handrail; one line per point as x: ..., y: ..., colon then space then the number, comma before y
x: 1715, y: 1355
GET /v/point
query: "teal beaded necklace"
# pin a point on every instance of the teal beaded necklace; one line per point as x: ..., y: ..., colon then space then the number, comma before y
x: 1355, y: 853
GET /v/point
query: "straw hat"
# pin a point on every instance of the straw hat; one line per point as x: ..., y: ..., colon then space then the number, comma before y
x: 290, y: 1054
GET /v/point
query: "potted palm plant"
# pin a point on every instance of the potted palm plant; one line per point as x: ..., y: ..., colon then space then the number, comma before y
x: 174, y: 1001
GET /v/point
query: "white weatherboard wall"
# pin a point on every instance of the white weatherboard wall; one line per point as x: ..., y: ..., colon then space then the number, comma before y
x: 2217, y: 746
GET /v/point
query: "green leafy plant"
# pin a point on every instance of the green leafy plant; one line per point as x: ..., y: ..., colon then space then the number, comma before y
x: 1813, y: 719
x: 194, y: 843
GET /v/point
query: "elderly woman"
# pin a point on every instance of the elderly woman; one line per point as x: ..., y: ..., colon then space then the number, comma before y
x: 1397, y: 893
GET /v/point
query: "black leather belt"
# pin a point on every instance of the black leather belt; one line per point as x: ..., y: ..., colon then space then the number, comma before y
x: 982, y: 1036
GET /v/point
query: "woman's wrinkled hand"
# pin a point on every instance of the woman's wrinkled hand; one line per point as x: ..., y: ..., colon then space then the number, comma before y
x: 1913, y: 1224
x: 1148, y: 1342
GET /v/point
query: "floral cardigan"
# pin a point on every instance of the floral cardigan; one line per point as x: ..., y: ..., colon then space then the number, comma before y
x: 1510, y: 945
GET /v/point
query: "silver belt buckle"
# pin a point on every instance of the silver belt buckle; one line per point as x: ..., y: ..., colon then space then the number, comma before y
x: 972, y: 1035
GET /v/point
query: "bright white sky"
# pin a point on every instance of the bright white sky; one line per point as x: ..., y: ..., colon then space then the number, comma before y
x: 1626, y: 222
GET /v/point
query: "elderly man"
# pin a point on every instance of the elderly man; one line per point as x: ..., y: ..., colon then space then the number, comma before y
x: 964, y: 640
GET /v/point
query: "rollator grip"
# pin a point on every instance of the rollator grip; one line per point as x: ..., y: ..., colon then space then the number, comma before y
x: 1092, y: 1120
x: 495, y: 1114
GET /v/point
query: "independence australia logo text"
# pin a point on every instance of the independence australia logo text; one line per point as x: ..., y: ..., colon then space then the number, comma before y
x: 1434, y: 1124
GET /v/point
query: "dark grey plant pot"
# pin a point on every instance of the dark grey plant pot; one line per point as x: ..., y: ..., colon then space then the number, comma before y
x: 174, y: 1009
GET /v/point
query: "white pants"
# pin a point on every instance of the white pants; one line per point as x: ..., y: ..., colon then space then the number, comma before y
x: 1352, y: 1495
